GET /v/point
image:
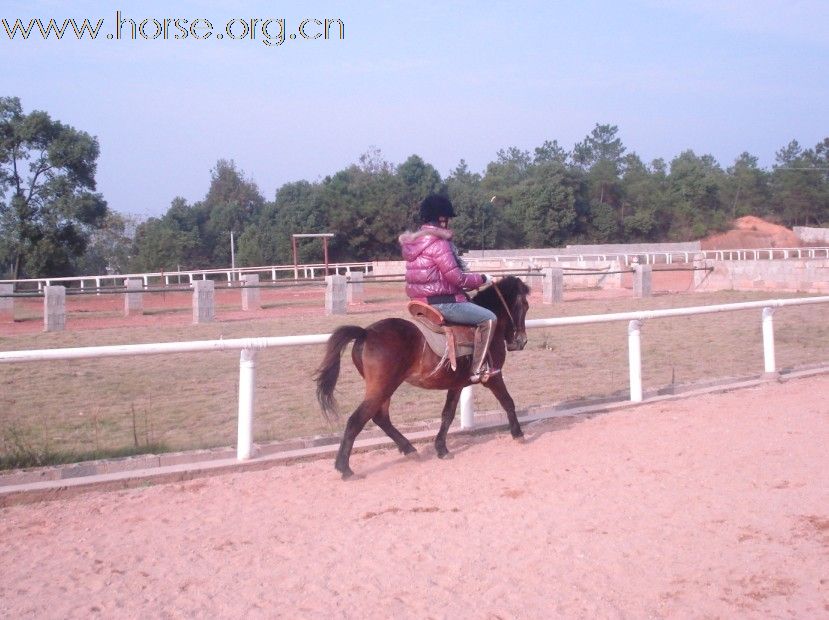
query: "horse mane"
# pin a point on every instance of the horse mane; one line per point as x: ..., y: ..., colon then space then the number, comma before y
x: 510, y: 286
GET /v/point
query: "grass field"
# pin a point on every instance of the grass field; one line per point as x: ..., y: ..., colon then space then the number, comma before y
x: 72, y: 410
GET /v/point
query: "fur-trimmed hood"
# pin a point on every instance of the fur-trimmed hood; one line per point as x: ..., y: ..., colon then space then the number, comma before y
x: 415, y: 243
x: 426, y: 229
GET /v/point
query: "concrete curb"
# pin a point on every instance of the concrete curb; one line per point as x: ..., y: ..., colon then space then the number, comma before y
x: 60, y: 482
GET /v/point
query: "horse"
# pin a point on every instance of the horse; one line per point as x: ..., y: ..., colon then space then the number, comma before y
x: 393, y: 350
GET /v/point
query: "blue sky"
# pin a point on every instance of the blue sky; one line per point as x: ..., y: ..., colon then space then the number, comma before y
x: 447, y: 81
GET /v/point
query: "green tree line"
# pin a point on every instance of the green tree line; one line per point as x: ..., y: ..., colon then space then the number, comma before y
x: 52, y: 222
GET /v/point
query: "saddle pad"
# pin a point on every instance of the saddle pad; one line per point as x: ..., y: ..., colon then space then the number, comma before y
x: 437, y: 342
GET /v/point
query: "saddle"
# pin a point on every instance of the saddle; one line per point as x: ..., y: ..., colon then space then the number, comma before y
x: 448, y: 340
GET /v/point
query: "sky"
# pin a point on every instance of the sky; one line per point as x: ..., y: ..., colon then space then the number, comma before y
x: 444, y: 80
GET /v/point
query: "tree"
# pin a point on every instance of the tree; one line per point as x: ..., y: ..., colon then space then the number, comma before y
x: 512, y: 166
x: 600, y: 155
x: 231, y: 204
x: 472, y: 227
x: 48, y: 204
x: 550, y: 151
x: 110, y: 246
x: 643, y: 198
x: 267, y: 240
x: 366, y: 209
x: 695, y: 203
x: 800, y: 185
x: 746, y: 189
x: 167, y: 243
x: 419, y: 178
x: 601, y: 145
x: 544, y: 206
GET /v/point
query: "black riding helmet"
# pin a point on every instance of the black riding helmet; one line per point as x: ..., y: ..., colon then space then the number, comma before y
x: 435, y: 206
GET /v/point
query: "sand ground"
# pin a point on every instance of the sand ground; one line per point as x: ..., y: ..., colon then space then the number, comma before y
x: 709, y: 507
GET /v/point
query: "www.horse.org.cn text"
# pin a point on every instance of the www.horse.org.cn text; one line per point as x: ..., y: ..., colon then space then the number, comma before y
x: 272, y: 32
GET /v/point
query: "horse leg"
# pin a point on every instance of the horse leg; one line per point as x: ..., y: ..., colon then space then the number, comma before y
x: 499, y: 389
x: 383, y: 420
x: 447, y: 415
x: 362, y: 414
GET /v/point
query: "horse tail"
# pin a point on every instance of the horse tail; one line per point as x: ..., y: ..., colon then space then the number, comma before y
x: 329, y: 370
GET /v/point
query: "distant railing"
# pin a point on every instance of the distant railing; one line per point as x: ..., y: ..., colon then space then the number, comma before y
x: 315, y: 270
x: 662, y: 257
x: 187, y: 276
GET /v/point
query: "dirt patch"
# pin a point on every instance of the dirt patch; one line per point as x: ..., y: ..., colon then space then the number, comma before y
x: 714, y: 506
x: 752, y: 232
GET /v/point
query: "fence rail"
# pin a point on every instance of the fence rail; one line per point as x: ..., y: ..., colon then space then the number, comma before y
x: 232, y: 275
x: 666, y: 257
x: 249, y: 347
x: 314, y: 270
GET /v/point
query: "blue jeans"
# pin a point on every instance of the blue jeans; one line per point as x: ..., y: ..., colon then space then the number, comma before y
x: 465, y: 313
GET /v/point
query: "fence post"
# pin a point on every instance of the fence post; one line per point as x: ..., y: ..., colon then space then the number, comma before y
x: 251, y: 298
x: 355, y: 287
x: 54, y: 308
x: 247, y: 386
x: 553, y: 285
x: 635, y: 360
x: 768, y: 344
x: 6, y: 303
x: 336, y: 296
x: 535, y: 278
x: 203, y: 304
x: 642, y: 280
x: 700, y: 275
x: 467, y: 408
x: 133, y: 302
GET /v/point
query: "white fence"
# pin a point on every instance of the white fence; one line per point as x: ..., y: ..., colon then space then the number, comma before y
x: 190, y: 275
x: 249, y: 346
x: 314, y: 270
x: 664, y: 257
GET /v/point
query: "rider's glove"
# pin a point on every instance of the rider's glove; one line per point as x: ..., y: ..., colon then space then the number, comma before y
x: 488, y: 281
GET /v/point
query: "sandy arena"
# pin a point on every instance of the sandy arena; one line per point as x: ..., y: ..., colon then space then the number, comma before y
x: 709, y: 507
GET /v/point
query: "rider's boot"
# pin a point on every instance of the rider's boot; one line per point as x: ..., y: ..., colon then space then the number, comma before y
x: 484, y: 332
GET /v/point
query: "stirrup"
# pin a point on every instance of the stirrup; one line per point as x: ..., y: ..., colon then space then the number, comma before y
x: 484, y: 375
x: 488, y: 374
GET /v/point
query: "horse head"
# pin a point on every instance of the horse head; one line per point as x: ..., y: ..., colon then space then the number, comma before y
x: 508, y: 300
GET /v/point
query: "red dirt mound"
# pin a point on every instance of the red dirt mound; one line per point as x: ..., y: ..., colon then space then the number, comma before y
x: 752, y: 232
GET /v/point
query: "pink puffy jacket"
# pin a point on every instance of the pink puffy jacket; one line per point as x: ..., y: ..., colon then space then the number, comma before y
x: 432, y: 267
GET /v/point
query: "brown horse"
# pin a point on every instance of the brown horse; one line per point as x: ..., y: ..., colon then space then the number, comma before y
x: 391, y: 351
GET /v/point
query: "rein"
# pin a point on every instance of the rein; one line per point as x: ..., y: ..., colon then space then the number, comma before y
x: 506, y: 307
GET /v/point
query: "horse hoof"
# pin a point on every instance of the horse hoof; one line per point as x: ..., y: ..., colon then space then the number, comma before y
x: 519, y: 438
x: 410, y: 449
x: 445, y: 455
x: 345, y: 471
